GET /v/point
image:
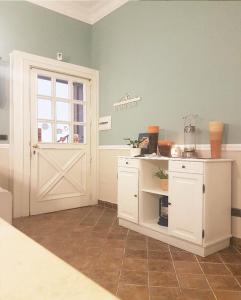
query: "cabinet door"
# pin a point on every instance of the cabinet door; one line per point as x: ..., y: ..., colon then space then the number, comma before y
x: 185, y: 212
x: 128, y: 194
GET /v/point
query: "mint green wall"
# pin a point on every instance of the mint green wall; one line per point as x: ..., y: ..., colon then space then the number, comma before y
x: 180, y: 57
x: 30, y: 28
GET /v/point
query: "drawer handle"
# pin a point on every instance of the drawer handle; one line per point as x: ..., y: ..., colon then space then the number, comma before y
x: 135, y: 195
x: 183, y: 166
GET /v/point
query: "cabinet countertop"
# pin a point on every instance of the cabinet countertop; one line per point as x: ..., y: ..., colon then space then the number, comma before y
x: 209, y: 160
x: 29, y: 271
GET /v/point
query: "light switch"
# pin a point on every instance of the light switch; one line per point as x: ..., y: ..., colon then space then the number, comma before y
x: 105, y: 123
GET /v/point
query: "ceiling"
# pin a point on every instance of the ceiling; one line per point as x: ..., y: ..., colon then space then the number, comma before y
x: 89, y: 11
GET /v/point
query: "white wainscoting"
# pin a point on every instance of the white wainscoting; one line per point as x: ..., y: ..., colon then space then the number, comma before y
x: 108, y: 174
x: 108, y: 171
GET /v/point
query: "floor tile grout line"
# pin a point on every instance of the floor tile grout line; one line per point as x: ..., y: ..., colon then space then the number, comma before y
x: 122, y: 263
x: 100, y: 216
x: 148, y: 271
x: 116, y: 219
x: 92, y: 208
x: 174, y: 267
x: 231, y: 273
x: 106, y: 238
x: 237, y: 249
x: 206, y: 277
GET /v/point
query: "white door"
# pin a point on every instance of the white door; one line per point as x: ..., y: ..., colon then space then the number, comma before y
x: 60, y: 142
x: 128, y: 194
x: 185, y: 212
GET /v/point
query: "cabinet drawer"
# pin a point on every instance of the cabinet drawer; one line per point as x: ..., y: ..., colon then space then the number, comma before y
x: 128, y: 162
x: 185, y: 166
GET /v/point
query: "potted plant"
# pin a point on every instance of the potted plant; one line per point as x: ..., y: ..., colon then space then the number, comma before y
x: 162, y: 174
x: 134, y: 150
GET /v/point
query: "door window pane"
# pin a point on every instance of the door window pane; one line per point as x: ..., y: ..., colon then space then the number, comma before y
x: 62, y: 111
x: 44, y: 109
x: 78, y: 113
x: 62, y: 89
x: 44, y: 85
x: 79, y: 134
x: 63, y: 133
x: 78, y: 91
x: 44, y: 132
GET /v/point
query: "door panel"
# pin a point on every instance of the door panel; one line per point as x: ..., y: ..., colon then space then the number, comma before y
x: 186, y: 208
x: 128, y: 194
x: 60, y: 150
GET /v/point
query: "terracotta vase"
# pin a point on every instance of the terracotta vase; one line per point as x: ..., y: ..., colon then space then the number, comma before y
x: 216, y: 132
x: 164, y: 184
x: 153, y: 129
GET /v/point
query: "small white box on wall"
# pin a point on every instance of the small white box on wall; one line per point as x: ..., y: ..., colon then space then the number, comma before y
x: 105, y: 123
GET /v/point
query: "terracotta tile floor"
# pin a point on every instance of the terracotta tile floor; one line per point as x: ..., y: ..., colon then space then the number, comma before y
x: 131, y: 265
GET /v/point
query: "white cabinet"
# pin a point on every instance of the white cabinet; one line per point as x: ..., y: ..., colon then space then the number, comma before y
x: 128, y: 193
x: 185, y: 211
x: 199, y: 196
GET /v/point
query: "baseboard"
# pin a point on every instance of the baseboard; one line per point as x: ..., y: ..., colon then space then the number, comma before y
x: 236, y: 242
x: 107, y: 204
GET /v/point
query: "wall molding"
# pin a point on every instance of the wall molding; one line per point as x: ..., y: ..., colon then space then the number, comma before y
x: 113, y: 147
x: 4, y: 146
x: 86, y: 12
x: 205, y: 147
x: 225, y: 147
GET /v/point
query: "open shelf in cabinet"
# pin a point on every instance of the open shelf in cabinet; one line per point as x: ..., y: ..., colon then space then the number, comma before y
x: 149, y: 211
x: 149, y: 182
x: 156, y: 191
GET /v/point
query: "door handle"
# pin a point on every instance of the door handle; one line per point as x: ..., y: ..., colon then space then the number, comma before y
x: 169, y: 203
x: 35, y: 146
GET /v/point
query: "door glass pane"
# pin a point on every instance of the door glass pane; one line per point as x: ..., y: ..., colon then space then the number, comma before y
x: 79, y: 134
x: 44, y: 85
x: 62, y: 111
x: 78, y: 91
x: 62, y: 133
x: 44, y: 132
x: 44, y: 109
x: 78, y: 113
x: 62, y: 89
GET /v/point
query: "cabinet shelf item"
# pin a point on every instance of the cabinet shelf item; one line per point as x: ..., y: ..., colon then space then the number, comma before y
x: 155, y: 191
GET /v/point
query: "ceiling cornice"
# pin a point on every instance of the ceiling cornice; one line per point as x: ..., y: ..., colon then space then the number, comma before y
x: 86, y: 11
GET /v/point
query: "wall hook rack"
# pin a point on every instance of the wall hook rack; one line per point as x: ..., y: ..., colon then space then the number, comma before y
x: 126, y: 101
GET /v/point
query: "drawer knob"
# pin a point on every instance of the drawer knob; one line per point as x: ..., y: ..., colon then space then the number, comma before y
x: 126, y: 162
x: 135, y: 195
x: 183, y: 166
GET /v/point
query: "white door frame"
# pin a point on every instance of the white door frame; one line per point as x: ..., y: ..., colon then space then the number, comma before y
x: 20, y: 66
